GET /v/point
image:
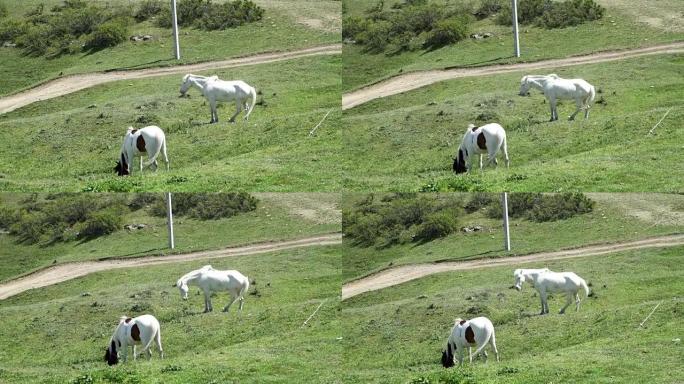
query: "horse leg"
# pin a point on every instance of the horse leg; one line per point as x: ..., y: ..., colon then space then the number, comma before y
x: 242, y: 302
x: 552, y: 105
x: 577, y: 302
x: 141, y: 164
x: 231, y: 303
x: 567, y: 303
x: 157, y: 340
x: 135, y: 356
x: 207, y: 302
x: 470, y: 355
x: 480, y: 162
x: 578, y: 103
x: 238, y: 108
x: 460, y: 356
x: 544, y: 305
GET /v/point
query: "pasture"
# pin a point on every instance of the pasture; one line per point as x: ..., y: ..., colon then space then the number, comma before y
x: 282, y: 28
x: 396, y: 335
x: 71, y: 143
x: 407, y: 142
x: 277, y: 217
x: 65, y: 328
x: 615, y: 218
x: 625, y: 25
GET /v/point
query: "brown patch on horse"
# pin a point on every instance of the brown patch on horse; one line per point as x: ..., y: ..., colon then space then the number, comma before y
x: 481, y: 142
x: 128, y: 320
x: 140, y: 143
x: 461, y: 322
x: 135, y: 332
x: 470, y: 335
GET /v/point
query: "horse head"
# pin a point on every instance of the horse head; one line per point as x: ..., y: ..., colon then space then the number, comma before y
x: 459, y: 163
x: 121, y: 167
x: 519, y: 280
x: 524, y: 87
x: 183, y: 288
x: 185, y: 85
x: 448, y: 357
x: 111, y: 355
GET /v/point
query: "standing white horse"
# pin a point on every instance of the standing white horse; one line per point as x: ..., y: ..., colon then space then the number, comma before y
x: 215, y: 90
x: 212, y: 280
x: 546, y: 281
x: 556, y: 88
x: 465, y: 333
x: 148, y: 140
x: 140, y: 330
x: 489, y: 139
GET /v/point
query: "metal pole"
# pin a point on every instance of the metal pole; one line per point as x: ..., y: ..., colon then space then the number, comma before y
x: 169, y: 219
x: 507, y: 238
x: 516, y: 38
x: 176, y: 47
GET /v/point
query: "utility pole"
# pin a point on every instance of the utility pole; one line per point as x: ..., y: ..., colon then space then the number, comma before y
x: 176, y: 46
x: 507, y: 238
x: 169, y: 219
x: 516, y: 38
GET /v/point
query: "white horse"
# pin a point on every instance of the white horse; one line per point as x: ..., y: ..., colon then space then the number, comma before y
x: 212, y: 280
x: 215, y: 90
x: 140, y: 330
x: 546, y: 281
x: 148, y: 140
x: 466, y: 333
x: 489, y: 139
x: 556, y: 88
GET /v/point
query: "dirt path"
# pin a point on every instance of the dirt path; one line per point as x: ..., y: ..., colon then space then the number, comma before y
x: 413, y: 80
x: 402, y: 274
x: 73, y: 83
x: 68, y: 271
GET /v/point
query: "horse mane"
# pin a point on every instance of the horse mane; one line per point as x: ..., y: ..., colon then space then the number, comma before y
x: 194, y: 273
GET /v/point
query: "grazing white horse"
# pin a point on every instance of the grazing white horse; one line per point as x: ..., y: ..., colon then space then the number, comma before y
x: 466, y: 333
x: 212, y: 280
x: 137, y: 142
x: 489, y: 139
x: 546, y: 281
x: 556, y: 88
x: 139, y: 330
x: 215, y: 90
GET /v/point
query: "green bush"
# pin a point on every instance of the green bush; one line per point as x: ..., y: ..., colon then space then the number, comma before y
x: 539, y: 207
x: 11, y: 29
x: 207, y: 206
x: 142, y: 200
x: 149, y: 9
x: 36, y: 40
x: 3, y: 10
x: 100, y: 224
x: 230, y: 15
x: 488, y: 8
x: 479, y: 201
x: 108, y: 34
x: 436, y: 225
x: 352, y: 26
x: 569, y: 13
x: 528, y: 11
x: 448, y: 31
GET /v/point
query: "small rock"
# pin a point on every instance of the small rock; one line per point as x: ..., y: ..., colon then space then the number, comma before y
x: 92, y: 106
x: 676, y: 341
x: 84, y: 294
x: 147, y: 37
x: 422, y: 297
x: 8, y: 44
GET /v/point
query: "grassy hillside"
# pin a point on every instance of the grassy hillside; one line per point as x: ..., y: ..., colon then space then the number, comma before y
x: 408, y: 141
x: 276, y: 218
x: 65, y: 333
x: 396, y: 335
x: 282, y: 28
x: 625, y: 25
x: 71, y: 143
x: 615, y: 218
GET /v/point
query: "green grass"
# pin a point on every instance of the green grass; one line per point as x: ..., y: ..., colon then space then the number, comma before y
x: 407, y: 142
x: 279, y: 30
x: 64, y: 334
x: 396, y: 335
x: 273, y: 220
x: 620, y: 28
x: 612, y: 220
x: 63, y: 145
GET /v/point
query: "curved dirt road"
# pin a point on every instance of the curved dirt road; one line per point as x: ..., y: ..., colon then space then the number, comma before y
x: 402, y: 274
x: 68, y: 271
x: 413, y: 80
x: 73, y: 83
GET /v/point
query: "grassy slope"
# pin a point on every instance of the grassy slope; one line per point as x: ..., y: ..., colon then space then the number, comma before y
x: 408, y: 141
x: 277, y: 31
x: 617, y: 30
x: 271, y: 221
x: 609, y: 222
x: 396, y: 335
x: 64, y: 145
x: 265, y: 345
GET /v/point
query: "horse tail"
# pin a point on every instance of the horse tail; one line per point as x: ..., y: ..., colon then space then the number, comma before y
x: 592, y: 95
x: 584, y: 285
x: 253, y: 93
x: 245, y: 288
x: 161, y: 145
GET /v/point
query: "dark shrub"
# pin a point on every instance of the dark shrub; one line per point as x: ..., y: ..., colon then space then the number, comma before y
x: 230, y: 15
x: 108, y: 34
x: 100, y: 224
x: 142, y: 200
x: 149, y: 9
x: 11, y: 29
x: 8, y: 217
x: 36, y: 40
x: 3, y: 10
x: 448, y: 31
x: 560, y: 207
x: 480, y: 200
x: 488, y: 8
x: 376, y: 37
x: 207, y: 206
x: 352, y: 26
x: 571, y: 12
x: 528, y: 11
x: 436, y: 225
